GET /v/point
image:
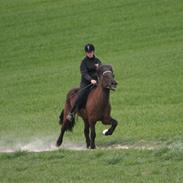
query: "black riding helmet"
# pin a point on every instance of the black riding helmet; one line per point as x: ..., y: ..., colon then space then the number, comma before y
x: 89, y: 48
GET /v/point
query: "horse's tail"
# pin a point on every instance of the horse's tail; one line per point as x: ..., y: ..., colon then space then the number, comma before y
x: 61, y: 117
x: 70, y: 124
x: 70, y: 96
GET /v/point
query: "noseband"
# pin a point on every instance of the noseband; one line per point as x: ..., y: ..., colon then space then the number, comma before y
x: 105, y: 72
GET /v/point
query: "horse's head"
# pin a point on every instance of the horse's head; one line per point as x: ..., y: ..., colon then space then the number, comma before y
x: 106, y: 77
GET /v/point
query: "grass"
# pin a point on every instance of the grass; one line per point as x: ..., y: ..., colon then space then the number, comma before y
x: 99, y: 165
x: 41, y: 46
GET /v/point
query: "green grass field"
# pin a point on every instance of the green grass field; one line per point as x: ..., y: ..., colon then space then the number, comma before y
x: 41, y: 47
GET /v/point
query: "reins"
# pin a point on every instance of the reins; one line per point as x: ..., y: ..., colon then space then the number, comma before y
x: 81, y: 89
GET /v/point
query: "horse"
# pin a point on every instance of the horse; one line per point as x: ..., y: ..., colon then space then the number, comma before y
x: 97, y: 108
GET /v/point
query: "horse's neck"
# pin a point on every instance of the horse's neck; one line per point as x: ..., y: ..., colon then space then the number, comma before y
x: 102, y: 95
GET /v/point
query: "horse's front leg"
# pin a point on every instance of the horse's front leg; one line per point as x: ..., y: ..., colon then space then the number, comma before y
x: 92, y: 136
x: 86, y: 133
x: 113, y: 123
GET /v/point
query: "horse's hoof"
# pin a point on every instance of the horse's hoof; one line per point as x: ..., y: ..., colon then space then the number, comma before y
x: 93, y: 147
x: 58, y: 143
x: 108, y: 132
x: 105, y: 131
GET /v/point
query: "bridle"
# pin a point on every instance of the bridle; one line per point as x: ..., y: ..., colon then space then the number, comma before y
x: 106, y: 72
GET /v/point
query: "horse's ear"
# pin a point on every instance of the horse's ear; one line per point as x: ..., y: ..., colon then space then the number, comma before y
x: 110, y: 67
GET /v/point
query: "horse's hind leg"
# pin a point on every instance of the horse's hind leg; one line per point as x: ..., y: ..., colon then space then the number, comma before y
x: 86, y: 133
x: 60, y: 138
x: 113, y: 123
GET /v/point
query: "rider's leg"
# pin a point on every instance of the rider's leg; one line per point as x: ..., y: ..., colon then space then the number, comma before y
x: 83, y: 93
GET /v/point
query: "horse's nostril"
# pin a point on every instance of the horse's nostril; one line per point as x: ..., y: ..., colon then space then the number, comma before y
x: 114, y: 83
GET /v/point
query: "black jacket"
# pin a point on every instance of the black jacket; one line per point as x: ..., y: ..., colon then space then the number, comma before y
x: 88, y: 70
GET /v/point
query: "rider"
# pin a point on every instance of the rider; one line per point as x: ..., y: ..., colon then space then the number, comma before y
x: 88, y: 70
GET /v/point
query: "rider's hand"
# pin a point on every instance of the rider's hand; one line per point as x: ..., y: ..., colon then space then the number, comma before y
x: 97, y: 66
x: 94, y: 82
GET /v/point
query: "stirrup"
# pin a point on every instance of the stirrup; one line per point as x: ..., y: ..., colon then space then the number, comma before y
x: 70, y: 116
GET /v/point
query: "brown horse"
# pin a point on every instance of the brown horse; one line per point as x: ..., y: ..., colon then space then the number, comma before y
x: 97, y: 107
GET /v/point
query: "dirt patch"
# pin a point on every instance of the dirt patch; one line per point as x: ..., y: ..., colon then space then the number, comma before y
x: 40, y: 145
x: 43, y: 145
